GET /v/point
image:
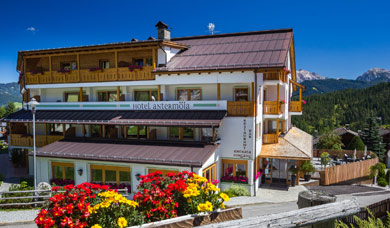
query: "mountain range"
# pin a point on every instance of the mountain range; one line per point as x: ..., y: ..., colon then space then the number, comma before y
x: 317, y: 84
x: 9, y: 92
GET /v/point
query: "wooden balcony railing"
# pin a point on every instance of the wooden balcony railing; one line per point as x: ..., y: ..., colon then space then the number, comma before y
x: 278, y: 76
x: 270, y: 138
x: 272, y: 107
x: 295, y: 106
x: 241, y: 108
x: 85, y: 75
x: 27, y: 140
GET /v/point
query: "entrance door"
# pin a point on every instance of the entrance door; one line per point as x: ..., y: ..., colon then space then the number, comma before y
x: 279, y: 171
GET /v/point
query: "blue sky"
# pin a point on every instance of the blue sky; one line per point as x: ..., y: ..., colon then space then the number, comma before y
x: 340, y: 38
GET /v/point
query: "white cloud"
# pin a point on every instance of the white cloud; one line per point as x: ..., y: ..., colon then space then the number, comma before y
x: 31, y: 29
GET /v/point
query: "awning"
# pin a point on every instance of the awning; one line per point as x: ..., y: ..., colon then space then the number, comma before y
x: 194, y: 118
x: 188, y: 155
x: 296, y: 144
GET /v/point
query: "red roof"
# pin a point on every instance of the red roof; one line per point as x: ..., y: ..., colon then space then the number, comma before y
x: 260, y: 49
x: 179, y: 155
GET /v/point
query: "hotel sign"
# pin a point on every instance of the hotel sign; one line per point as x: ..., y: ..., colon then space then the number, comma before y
x: 135, y: 105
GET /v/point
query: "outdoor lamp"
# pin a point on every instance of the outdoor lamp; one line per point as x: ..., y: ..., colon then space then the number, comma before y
x: 33, y: 104
x: 80, y: 172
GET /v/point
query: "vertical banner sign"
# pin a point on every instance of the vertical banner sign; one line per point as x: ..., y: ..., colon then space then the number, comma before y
x: 246, y: 151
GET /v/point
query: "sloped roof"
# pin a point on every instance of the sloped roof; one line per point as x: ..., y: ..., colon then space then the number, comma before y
x: 180, y: 155
x: 342, y: 130
x: 296, y: 144
x: 153, y: 118
x: 260, y: 49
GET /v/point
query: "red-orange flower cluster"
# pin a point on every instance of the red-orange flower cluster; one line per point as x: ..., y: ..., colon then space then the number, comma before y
x: 69, y: 208
x: 156, y: 195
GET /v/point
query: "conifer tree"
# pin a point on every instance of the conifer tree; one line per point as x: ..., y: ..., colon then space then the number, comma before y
x: 372, y: 138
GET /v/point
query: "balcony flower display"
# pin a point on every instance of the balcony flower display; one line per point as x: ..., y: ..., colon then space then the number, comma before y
x: 257, y: 175
x: 235, y: 179
x: 287, y: 71
x: 61, y: 182
x: 133, y: 67
x: 64, y: 71
x: 303, y: 101
x: 282, y: 102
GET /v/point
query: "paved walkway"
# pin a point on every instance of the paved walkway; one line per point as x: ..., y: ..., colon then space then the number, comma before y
x: 267, y: 196
x: 22, y: 216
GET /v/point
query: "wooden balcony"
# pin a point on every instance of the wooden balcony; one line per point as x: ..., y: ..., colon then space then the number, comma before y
x: 276, y: 76
x: 85, y: 75
x: 272, y: 108
x: 270, y: 138
x: 27, y: 140
x: 295, y: 106
x: 241, y: 108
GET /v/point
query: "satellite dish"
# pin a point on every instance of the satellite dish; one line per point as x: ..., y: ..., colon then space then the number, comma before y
x: 211, y: 28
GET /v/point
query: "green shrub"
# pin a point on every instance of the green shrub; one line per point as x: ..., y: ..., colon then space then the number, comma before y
x: 382, y: 182
x: 236, y: 190
x: 371, y: 222
x: 18, y: 187
x: 307, y: 167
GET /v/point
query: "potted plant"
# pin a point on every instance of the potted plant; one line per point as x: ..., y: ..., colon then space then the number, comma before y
x: 294, y: 172
x: 307, y: 168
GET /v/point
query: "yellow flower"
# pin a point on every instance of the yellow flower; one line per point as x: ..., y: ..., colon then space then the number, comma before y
x: 205, y: 206
x: 224, y: 197
x: 222, y: 205
x: 189, y: 200
x: 122, y: 222
x: 96, y: 226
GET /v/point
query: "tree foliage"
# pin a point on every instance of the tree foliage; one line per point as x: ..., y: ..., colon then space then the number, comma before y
x: 356, y: 143
x: 324, y: 112
x: 371, y: 222
x: 331, y: 141
x: 372, y: 138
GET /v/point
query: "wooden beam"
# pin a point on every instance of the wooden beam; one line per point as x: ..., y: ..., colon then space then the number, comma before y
x: 154, y: 57
x: 253, y: 91
x: 118, y: 93
x: 103, y: 131
x: 116, y: 64
x: 78, y: 68
x: 180, y: 133
x: 159, y: 92
x: 83, y: 129
x: 277, y: 130
x: 125, y: 132
x: 50, y: 68
x: 277, y: 99
x: 300, y: 98
x: 297, y: 84
x: 297, y: 218
x: 218, y: 91
x: 63, y: 129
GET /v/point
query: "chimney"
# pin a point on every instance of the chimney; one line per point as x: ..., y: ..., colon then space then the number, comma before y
x: 162, y: 31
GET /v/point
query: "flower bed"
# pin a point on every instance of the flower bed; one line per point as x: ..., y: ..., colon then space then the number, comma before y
x: 61, y: 182
x: 234, y: 179
x: 159, y: 197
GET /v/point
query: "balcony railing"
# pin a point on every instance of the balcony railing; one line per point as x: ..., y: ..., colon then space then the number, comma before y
x: 241, y: 108
x: 85, y: 75
x: 27, y: 140
x: 272, y: 108
x: 270, y: 138
x: 295, y: 106
x: 278, y: 76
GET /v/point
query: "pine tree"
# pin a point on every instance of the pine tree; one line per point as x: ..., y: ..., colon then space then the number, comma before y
x: 10, y: 108
x: 372, y: 138
x: 356, y: 143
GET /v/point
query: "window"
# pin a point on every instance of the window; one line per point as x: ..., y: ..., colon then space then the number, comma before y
x: 149, y: 62
x: 107, y: 96
x: 207, y: 134
x: 241, y: 94
x: 188, y: 94
x: 180, y: 133
x: 56, y: 129
x: 71, y: 96
x: 145, y: 95
x: 164, y: 171
x: 110, y: 175
x: 95, y: 130
x: 210, y: 173
x: 69, y: 65
x: 139, y: 62
x: 104, y: 64
x: 137, y: 132
x: 188, y: 133
x: 174, y: 133
x: 234, y: 168
x: 63, y: 171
